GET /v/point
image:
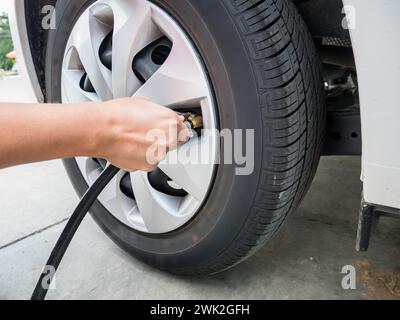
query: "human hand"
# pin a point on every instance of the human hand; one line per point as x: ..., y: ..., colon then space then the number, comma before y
x: 136, y: 134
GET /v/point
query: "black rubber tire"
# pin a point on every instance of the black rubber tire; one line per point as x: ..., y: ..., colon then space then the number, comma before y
x: 266, y: 76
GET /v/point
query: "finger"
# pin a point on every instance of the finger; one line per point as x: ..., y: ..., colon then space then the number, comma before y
x: 184, y: 135
x: 181, y: 123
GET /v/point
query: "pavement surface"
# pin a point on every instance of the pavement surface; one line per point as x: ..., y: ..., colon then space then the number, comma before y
x: 303, y: 262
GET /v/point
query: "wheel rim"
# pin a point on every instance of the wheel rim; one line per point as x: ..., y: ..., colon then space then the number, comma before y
x: 99, y: 64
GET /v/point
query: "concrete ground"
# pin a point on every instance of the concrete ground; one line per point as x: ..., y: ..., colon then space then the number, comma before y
x: 303, y: 262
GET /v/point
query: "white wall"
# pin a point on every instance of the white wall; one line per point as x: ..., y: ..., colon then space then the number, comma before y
x: 15, y: 88
x: 5, y: 5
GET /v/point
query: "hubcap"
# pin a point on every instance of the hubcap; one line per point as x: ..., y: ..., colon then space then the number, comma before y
x: 121, y: 48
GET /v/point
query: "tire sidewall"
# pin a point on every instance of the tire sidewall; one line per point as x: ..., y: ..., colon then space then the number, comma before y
x: 225, y: 211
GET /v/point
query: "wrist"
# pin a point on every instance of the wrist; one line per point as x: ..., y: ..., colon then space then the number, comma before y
x: 92, y: 124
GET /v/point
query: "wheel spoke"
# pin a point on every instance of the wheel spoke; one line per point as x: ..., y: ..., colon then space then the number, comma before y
x: 133, y: 31
x: 109, y: 195
x: 155, y: 208
x: 171, y: 86
x: 191, y: 166
x: 180, y: 80
x: 72, y: 91
x: 87, y: 37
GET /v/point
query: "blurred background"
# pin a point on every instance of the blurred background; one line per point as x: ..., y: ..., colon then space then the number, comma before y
x: 14, y: 85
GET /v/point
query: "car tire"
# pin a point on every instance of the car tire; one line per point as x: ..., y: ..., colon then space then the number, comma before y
x: 266, y: 76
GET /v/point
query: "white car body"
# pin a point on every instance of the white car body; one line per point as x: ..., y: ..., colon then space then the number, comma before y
x: 376, y: 47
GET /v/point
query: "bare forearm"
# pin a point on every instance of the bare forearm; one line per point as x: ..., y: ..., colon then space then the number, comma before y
x: 117, y: 131
x: 38, y: 132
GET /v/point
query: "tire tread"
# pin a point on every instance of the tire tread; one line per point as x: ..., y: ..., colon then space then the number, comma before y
x: 292, y: 103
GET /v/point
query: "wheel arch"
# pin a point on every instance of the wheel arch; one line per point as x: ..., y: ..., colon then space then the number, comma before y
x: 36, y: 39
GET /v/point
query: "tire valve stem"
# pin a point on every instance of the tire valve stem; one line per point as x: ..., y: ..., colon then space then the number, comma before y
x: 194, y: 122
